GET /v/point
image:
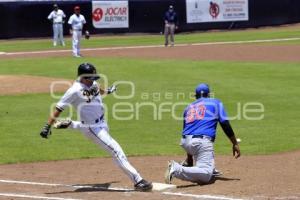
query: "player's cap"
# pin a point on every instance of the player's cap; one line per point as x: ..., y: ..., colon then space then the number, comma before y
x: 55, y: 5
x: 76, y: 8
x: 87, y: 71
x: 201, y: 89
x: 171, y: 7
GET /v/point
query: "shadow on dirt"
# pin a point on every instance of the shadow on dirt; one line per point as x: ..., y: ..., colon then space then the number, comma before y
x: 94, y: 188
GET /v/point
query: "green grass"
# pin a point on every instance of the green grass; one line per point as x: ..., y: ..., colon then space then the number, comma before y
x: 110, y: 41
x: 276, y: 86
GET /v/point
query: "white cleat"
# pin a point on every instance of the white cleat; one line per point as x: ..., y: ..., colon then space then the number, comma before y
x: 169, y: 172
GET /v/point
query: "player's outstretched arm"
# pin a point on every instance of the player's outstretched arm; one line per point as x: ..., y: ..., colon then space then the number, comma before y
x: 46, y: 130
x: 109, y: 90
x: 230, y: 134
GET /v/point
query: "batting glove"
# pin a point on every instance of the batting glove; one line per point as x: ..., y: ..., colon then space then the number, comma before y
x: 111, y: 89
x: 46, y: 131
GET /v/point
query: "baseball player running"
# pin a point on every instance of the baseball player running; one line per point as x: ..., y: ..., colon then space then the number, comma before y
x: 76, y: 21
x: 57, y: 16
x: 85, y: 96
x: 199, y: 131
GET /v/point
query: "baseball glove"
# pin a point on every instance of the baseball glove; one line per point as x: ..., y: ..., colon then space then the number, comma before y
x: 87, y: 35
x: 62, y: 123
x: 188, y: 162
x: 46, y: 131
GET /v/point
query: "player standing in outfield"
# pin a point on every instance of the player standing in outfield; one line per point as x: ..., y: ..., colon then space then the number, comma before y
x: 199, y: 131
x: 85, y: 96
x: 171, y: 23
x: 57, y: 17
x: 76, y: 22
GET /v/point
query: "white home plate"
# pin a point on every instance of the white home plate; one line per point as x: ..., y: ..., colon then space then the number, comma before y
x: 162, y: 186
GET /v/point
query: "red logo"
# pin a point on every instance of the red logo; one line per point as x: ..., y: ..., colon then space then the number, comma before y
x: 214, y: 9
x: 116, y: 11
x: 97, y: 14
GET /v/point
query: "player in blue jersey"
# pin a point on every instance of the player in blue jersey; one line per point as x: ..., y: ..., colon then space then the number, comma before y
x: 199, y: 132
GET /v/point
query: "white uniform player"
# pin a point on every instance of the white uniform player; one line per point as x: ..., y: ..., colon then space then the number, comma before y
x: 57, y: 16
x: 76, y: 21
x: 85, y: 96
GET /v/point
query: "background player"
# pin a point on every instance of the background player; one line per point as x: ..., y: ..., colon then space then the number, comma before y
x: 85, y: 96
x: 199, y: 131
x: 76, y: 21
x: 171, y: 23
x: 57, y: 17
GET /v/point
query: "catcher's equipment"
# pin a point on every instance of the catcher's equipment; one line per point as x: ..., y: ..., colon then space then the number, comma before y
x: 62, y: 123
x: 111, y: 89
x: 87, y: 71
x: 87, y: 35
x: 46, y: 131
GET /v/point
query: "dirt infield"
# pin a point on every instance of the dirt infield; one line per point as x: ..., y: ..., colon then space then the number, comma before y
x: 22, y: 84
x: 256, y: 177
x: 229, y: 52
x: 250, y: 177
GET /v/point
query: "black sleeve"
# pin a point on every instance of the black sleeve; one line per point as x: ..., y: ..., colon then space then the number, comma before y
x: 227, y: 128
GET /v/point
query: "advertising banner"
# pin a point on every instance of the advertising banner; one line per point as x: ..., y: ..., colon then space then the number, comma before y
x: 110, y: 14
x: 198, y: 11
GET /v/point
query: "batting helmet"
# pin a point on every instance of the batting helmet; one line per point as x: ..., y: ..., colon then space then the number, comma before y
x: 87, y: 71
x: 202, y: 90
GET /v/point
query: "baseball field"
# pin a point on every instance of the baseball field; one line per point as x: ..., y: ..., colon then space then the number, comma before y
x: 254, y: 72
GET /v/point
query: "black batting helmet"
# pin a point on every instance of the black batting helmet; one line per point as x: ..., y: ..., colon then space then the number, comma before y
x: 87, y: 71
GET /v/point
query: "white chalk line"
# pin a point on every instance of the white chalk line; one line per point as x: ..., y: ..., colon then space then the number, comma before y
x: 151, y: 46
x: 109, y: 188
x: 203, y: 196
x: 66, y: 185
x: 33, y: 196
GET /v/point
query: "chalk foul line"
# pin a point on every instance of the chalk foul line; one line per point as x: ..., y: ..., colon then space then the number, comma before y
x: 204, y: 196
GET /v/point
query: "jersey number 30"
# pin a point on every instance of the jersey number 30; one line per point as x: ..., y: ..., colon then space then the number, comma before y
x: 196, y: 112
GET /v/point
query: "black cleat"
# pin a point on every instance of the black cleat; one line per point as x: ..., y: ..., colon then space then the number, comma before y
x: 143, y: 186
x: 217, y: 173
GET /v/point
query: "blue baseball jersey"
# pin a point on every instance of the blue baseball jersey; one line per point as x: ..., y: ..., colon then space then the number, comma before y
x: 202, y: 116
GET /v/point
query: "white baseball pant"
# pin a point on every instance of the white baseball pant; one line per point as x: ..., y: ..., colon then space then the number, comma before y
x: 99, y: 134
x: 76, y: 37
x: 58, y: 34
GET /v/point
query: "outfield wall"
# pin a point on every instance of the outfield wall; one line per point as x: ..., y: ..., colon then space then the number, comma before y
x: 29, y: 18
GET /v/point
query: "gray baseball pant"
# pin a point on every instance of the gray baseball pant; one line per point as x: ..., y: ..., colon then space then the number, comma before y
x: 202, y: 151
x: 169, y: 30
